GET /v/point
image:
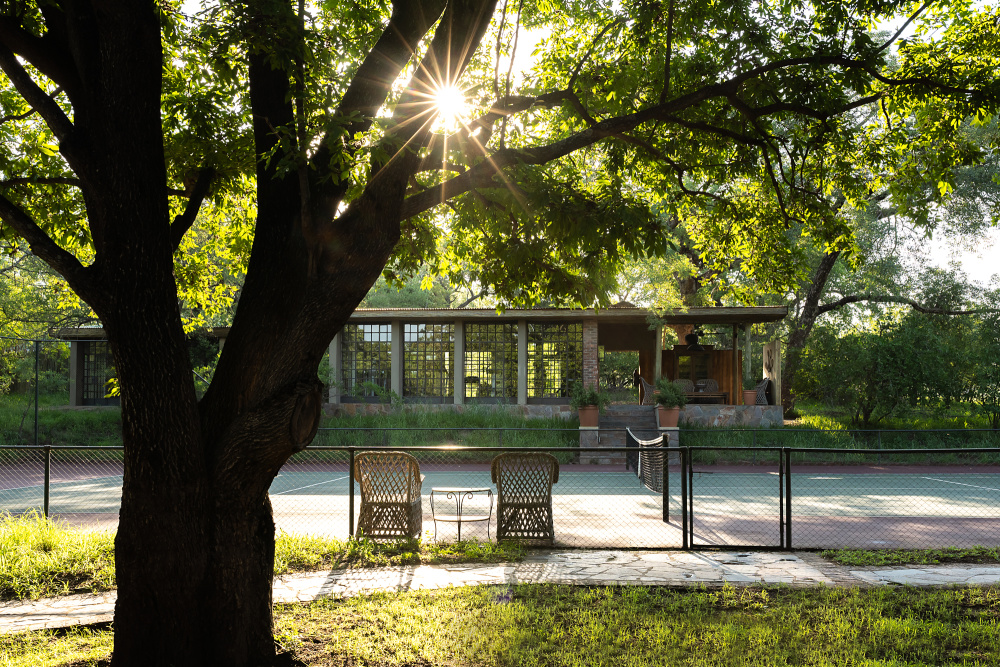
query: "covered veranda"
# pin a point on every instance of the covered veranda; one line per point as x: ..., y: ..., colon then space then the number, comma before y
x: 531, y: 356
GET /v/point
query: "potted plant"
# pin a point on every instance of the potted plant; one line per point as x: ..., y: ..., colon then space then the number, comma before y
x: 749, y: 391
x: 670, y: 398
x: 588, y: 401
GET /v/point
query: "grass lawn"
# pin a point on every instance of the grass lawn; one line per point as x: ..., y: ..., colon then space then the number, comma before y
x: 40, y: 558
x: 561, y: 625
x: 57, y: 424
x: 861, y: 557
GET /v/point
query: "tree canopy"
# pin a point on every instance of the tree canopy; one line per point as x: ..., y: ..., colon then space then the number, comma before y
x: 152, y: 157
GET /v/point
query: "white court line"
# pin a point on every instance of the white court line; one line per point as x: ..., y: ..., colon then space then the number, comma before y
x: 53, y: 484
x: 307, y: 486
x: 948, y: 481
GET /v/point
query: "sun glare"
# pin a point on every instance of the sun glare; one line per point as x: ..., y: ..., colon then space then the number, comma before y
x: 450, y: 104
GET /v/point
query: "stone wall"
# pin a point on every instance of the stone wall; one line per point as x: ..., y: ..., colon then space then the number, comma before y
x: 530, y: 411
x: 744, y: 416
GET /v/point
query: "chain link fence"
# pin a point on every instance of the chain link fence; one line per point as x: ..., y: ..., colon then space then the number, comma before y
x: 33, y: 374
x: 747, y: 497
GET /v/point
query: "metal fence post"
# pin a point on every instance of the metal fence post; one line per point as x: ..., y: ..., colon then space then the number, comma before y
x: 684, y: 497
x: 48, y: 470
x: 781, y: 498
x: 880, y: 446
x: 788, y: 497
x: 666, y: 485
x: 36, y: 398
x: 350, y: 501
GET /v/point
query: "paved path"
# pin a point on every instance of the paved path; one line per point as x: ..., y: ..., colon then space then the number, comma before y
x: 590, y: 568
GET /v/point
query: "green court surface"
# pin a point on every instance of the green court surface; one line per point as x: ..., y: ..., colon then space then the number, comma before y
x: 610, y: 508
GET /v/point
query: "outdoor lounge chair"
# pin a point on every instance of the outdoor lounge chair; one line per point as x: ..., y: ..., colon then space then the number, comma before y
x: 524, y: 495
x: 390, y: 495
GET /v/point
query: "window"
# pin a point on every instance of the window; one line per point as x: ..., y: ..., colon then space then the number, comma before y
x: 97, y: 370
x: 429, y: 362
x: 366, y: 351
x: 694, y: 366
x: 491, y: 363
x: 555, y: 359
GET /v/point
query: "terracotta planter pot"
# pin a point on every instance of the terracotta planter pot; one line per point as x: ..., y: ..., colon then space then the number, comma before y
x: 669, y: 416
x: 749, y: 397
x: 589, y: 415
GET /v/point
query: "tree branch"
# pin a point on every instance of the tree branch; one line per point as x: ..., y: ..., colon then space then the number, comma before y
x: 183, y: 222
x: 40, y: 180
x: 903, y: 27
x: 77, y: 275
x: 483, y: 174
x: 39, y: 100
x: 920, y: 308
x: 373, y: 81
x: 586, y: 56
x: 670, y: 44
x: 22, y: 116
x: 46, y: 54
x: 455, y: 39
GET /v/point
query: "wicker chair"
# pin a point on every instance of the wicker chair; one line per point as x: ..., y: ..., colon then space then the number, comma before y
x: 648, y: 397
x: 761, y: 390
x: 390, y: 495
x: 707, y: 385
x: 686, y: 385
x: 524, y: 495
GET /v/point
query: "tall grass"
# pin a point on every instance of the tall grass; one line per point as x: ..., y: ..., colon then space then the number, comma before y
x: 475, y: 426
x: 880, y: 443
x: 57, y: 424
x: 815, y: 414
x: 40, y: 558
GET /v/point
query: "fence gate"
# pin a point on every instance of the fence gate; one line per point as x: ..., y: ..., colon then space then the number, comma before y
x: 736, y: 497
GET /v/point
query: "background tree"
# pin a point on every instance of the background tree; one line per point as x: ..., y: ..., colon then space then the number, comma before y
x: 123, y: 118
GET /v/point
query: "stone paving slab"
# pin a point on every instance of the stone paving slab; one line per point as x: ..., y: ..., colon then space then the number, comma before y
x: 575, y: 567
x: 931, y: 575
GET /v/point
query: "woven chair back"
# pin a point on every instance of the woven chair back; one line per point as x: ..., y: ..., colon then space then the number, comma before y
x: 524, y: 477
x: 387, y: 477
x: 648, y: 397
x: 708, y: 385
x: 685, y: 385
x: 761, y: 390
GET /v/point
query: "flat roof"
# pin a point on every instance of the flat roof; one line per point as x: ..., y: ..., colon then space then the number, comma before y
x: 720, y: 315
x: 613, y: 315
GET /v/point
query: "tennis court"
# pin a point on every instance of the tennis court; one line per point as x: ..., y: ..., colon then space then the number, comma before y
x: 606, y: 506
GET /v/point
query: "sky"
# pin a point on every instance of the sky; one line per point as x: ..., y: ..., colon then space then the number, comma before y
x: 979, y: 264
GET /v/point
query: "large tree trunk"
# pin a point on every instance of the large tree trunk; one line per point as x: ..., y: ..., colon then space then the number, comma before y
x: 803, y: 327
x: 195, y: 544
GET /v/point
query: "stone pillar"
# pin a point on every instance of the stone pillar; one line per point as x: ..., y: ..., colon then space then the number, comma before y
x: 336, y: 366
x: 396, y: 357
x: 671, y: 438
x: 591, y: 367
x: 522, y: 362
x: 459, y: 362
